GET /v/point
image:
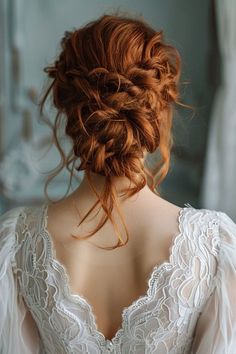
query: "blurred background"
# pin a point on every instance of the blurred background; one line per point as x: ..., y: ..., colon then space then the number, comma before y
x: 203, y: 162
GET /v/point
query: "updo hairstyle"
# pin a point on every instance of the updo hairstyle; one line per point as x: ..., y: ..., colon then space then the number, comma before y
x: 114, y: 85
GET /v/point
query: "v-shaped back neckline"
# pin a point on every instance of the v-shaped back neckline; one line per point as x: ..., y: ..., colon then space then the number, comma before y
x: 152, y: 278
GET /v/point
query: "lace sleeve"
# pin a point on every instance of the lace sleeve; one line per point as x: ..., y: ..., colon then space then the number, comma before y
x: 215, y: 332
x: 17, y: 330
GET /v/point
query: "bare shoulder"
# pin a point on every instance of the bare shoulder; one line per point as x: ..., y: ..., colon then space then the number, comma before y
x: 61, y: 217
x: 168, y: 206
x: 165, y: 215
x: 163, y: 210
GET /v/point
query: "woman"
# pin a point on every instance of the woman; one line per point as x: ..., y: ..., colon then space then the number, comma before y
x: 70, y: 281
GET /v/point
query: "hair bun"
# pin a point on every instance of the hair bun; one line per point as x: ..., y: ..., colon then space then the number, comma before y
x: 115, y: 84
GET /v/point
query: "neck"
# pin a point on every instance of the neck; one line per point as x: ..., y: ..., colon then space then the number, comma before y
x: 98, y: 181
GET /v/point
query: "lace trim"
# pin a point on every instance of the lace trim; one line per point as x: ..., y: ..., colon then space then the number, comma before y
x: 152, y: 279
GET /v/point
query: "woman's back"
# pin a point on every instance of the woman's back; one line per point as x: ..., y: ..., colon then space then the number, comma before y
x: 112, y: 280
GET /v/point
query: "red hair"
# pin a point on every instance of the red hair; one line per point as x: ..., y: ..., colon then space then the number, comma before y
x: 115, y: 83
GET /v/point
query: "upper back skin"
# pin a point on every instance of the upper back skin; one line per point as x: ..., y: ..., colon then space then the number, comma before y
x: 111, y: 280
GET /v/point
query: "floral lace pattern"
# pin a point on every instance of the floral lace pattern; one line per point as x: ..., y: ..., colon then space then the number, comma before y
x: 161, y: 321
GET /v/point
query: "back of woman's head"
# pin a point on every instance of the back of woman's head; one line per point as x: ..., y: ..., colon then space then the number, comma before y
x: 114, y: 84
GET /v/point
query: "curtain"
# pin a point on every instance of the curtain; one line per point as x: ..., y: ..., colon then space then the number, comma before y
x: 219, y: 179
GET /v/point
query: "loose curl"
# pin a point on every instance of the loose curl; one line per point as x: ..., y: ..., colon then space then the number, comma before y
x: 114, y: 85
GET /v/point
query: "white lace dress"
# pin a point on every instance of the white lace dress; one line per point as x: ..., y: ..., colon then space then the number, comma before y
x: 189, y: 307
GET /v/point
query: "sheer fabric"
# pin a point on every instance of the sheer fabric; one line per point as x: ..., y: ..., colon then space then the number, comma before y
x: 189, y: 306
